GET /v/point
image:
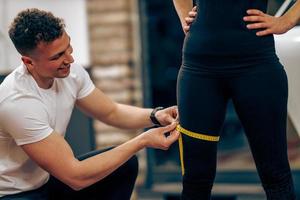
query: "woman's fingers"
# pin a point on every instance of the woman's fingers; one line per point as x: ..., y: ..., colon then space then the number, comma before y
x: 257, y: 25
x: 189, y: 20
x: 264, y: 32
x: 254, y: 18
x: 255, y: 12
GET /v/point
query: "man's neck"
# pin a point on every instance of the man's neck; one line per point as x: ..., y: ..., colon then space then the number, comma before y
x: 44, y: 83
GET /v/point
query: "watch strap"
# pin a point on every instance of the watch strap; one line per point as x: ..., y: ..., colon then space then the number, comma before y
x: 153, y: 118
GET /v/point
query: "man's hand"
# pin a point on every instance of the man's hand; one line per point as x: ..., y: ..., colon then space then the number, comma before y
x: 157, y: 138
x: 267, y: 24
x: 167, y: 115
x: 189, y: 20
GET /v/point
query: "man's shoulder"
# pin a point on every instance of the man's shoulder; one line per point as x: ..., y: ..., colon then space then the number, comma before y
x: 6, y: 87
x: 14, y: 77
x: 15, y: 85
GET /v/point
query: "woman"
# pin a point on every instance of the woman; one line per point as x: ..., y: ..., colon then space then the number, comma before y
x: 229, y: 53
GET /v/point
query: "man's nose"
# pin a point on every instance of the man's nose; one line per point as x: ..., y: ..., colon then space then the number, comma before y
x: 68, y: 58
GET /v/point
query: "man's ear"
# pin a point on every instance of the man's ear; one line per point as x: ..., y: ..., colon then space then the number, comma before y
x: 27, y: 61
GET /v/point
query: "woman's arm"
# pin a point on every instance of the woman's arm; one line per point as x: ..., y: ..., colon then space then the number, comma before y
x: 271, y: 24
x: 293, y: 14
x: 183, y: 7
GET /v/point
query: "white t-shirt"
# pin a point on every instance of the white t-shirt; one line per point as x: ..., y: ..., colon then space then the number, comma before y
x: 29, y: 114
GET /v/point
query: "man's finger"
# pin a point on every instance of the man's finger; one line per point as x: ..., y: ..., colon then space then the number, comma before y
x: 169, y: 127
x: 174, y: 135
x: 168, y: 120
x: 176, y: 115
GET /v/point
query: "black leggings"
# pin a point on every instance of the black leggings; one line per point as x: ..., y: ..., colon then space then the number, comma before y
x: 117, y: 186
x: 260, y: 100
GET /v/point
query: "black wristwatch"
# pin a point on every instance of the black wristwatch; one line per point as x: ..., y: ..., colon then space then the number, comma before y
x: 153, y: 118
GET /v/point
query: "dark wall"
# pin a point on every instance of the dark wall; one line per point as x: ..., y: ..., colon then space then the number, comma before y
x: 164, y: 39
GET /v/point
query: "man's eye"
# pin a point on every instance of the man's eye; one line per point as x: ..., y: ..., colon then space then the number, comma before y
x: 56, y: 57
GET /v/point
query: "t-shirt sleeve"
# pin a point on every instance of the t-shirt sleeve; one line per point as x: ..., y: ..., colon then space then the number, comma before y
x: 26, y: 120
x: 86, y: 86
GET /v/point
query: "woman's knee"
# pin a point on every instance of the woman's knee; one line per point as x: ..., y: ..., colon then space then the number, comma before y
x: 281, y: 188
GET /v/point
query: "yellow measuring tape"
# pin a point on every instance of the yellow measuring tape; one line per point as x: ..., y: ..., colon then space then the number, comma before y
x: 193, y: 135
x: 197, y: 135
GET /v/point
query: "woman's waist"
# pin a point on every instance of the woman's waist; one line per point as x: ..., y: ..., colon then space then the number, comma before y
x: 229, y: 43
x: 227, y: 61
x: 222, y: 67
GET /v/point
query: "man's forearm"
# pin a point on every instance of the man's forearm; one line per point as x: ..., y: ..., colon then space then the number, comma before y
x: 54, y: 155
x: 93, y: 169
x: 183, y: 7
x: 98, y: 167
x: 129, y: 117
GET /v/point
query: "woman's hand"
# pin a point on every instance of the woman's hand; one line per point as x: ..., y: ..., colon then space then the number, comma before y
x: 268, y: 24
x: 189, y: 20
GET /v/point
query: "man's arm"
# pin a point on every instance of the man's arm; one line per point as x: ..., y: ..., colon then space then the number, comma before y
x: 182, y: 8
x: 101, y: 107
x: 55, y: 156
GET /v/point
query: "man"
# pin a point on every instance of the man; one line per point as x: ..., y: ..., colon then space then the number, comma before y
x: 36, y: 101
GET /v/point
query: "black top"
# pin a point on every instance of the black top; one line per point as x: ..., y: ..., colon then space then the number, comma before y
x: 220, y: 36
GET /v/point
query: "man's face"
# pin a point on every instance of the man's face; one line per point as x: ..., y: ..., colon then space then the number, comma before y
x: 53, y: 60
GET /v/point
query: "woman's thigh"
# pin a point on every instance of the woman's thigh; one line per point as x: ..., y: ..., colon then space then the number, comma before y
x: 260, y: 100
x: 202, y: 105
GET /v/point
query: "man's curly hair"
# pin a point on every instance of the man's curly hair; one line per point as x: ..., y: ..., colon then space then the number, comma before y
x: 32, y: 26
